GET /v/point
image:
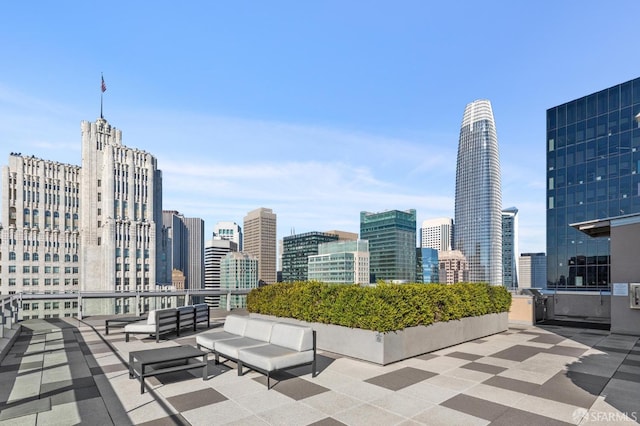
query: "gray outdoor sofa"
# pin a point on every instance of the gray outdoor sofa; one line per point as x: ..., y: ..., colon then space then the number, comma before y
x: 262, y: 345
x: 164, y: 321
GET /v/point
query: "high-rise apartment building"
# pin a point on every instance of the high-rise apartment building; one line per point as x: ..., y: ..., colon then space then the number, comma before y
x: 296, y: 250
x: 437, y: 234
x: 260, y: 241
x: 478, y: 198
x: 593, y: 157
x: 214, y: 250
x: 510, y: 269
x: 533, y: 270
x: 229, y: 231
x: 90, y: 228
x: 341, y: 262
x: 392, y: 244
x: 183, y: 248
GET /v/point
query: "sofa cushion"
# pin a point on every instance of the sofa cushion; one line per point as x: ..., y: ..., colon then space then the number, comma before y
x: 292, y: 336
x: 235, y: 324
x: 258, y: 329
x: 229, y: 348
x: 272, y: 357
x: 151, y: 319
x: 208, y: 340
x: 140, y: 327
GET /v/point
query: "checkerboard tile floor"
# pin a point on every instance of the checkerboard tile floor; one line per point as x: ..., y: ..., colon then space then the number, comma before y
x: 526, y: 375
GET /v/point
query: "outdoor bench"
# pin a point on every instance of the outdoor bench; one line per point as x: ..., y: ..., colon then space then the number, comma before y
x: 262, y: 345
x: 162, y: 321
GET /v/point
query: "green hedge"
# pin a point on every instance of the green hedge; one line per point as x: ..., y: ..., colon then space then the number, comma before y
x: 383, y: 308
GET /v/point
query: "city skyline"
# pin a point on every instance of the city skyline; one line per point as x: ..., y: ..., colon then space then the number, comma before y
x: 315, y: 111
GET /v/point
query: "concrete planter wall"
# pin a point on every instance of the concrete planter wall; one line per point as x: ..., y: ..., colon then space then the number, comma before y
x: 385, y: 348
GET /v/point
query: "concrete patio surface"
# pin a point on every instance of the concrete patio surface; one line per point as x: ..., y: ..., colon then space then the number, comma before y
x: 66, y: 372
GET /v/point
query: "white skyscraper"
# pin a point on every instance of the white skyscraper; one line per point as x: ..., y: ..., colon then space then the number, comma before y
x: 437, y: 234
x: 67, y: 228
x: 229, y: 231
x: 478, y: 202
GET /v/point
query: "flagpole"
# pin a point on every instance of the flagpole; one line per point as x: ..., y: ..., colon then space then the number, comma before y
x: 103, y: 87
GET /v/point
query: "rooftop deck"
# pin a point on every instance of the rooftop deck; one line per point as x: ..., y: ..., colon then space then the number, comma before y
x: 69, y: 372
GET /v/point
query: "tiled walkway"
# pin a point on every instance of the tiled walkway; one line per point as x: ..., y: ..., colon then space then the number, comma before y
x: 68, y: 372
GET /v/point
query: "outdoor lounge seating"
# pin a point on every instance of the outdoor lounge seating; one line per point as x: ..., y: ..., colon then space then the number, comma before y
x: 162, y: 321
x: 262, y: 345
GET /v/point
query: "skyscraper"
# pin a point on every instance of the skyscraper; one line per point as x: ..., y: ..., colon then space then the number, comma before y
x: 510, y: 268
x: 437, y: 234
x: 260, y: 241
x: 229, y: 231
x: 214, y: 251
x: 533, y: 270
x: 478, y: 199
x: 392, y: 244
x: 593, y: 161
x: 89, y: 228
x: 296, y: 251
x: 183, y: 248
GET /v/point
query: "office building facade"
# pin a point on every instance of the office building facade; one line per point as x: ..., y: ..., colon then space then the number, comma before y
x: 428, y: 265
x: 478, y: 196
x: 341, y: 262
x: 296, y: 250
x: 238, y: 271
x: 392, y: 244
x: 510, y: 247
x: 259, y: 240
x: 214, y: 250
x: 452, y: 267
x: 228, y: 230
x: 90, y: 228
x: 437, y: 234
x: 593, y: 156
x: 182, y: 248
x: 533, y: 270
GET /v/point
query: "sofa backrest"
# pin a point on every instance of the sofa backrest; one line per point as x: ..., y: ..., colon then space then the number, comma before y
x: 258, y: 329
x: 292, y: 336
x: 235, y: 324
x: 187, y: 315
x: 151, y: 318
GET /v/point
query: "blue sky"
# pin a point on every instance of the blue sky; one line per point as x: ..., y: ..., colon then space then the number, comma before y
x: 318, y: 110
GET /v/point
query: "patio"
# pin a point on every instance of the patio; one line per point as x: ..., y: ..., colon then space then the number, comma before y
x: 70, y: 372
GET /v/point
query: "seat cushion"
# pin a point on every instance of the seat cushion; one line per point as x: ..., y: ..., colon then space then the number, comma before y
x: 208, y: 340
x: 292, y: 336
x: 272, y: 357
x: 258, y: 329
x: 229, y: 348
x: 140, y: 327
x: 235, y: 324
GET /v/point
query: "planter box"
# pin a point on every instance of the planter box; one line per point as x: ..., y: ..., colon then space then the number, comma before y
x: 385, y: 348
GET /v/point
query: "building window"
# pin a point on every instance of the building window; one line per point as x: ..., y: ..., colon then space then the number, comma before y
x: 26, y: 306
x: 12, y: 255
x: 35, y: 257
x: 26, y: 269
x: 12, y: 269
x: 25, y: 256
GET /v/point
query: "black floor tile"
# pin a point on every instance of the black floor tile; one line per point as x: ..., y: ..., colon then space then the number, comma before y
x: 513, y: 416
x: 464, y: 355
x: 191, y: 400
x: 512, y: 384
x: 573, y: 388
x: 400, y: 379
x: 483, y: 368
x: 475, y: 406
x: 518, y: 353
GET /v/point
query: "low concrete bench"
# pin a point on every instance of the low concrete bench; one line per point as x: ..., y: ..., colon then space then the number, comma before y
x: 262, y: 345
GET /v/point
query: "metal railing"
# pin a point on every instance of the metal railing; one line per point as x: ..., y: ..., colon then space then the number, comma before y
x: 87, y: 303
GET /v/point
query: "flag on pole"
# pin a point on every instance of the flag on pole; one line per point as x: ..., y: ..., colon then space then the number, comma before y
x: 103, y: 86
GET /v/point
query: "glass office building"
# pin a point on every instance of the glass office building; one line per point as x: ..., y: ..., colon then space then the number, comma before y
x: 593, y: 156
x: 296, y: 250
x: 392, y: 244
x: 478, y: 202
